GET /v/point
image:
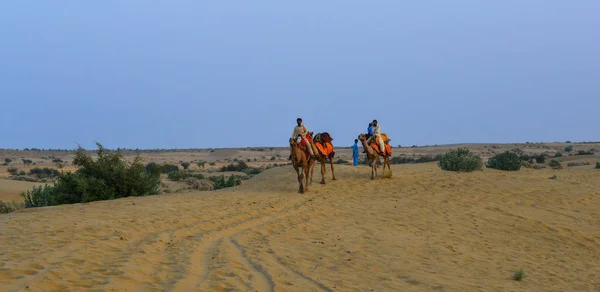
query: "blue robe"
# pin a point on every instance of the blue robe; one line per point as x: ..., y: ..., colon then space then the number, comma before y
x: 355, y: 154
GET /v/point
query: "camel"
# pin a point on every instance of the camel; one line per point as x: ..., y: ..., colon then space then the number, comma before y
x: 301, y: 159
x: 323, y: 160
x: 373, y: 157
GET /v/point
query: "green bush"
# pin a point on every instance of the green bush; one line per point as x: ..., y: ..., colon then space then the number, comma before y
x: 44, y: 172
x: 555, y: 164
x: 211, y: 163
x: 39, y: 197
x: 168, y: 168
x: 508, y: 161
x: 185, y: 165
x: 597, y: 165
x: 220, y: 182
x: 253, y: 170
x: 540, y: 158
x: 569, y: 148
x: 7, y: 161
x: 109, y: 176
x: 558, y: 154
x: 201, y: 164
x: 13, y: 170
x: 420, y: 159
x: 581, y: 152
x: 240, y: 166
x: 461, y: 159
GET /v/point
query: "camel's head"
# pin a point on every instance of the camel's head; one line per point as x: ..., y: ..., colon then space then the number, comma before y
x: 362, y: 137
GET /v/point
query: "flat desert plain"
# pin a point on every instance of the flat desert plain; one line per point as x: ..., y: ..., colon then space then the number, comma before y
x: 423, y: 229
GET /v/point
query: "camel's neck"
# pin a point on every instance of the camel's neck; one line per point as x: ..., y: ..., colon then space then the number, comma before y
x: 367, y: 148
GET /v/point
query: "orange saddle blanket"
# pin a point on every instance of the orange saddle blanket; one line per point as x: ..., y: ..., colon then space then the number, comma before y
x: 388, y: 148
x: 326, y: 149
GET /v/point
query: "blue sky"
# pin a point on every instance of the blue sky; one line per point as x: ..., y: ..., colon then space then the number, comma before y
x: 199, y: 74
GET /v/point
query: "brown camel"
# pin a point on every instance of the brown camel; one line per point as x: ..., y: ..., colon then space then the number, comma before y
x: 301, y: 159
x: 373, y: 157
x: 323, y: 160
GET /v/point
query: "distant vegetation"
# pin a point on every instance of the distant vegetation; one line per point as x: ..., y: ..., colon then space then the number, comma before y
x: 185, y: 165
x: 508, y: 161
x: 558, y: 154
x: 461, y: 159
x: 220, y: 182
x: 107, y: 177
x: 27, y: 161
x: 580, y: 163
x: 569, y: 148
x: 597, y: 165
x: 7, y: 161
x: 182, y: 175
x: 6, y: 207
x: 555, y: 164
x: 13, y: 170
x: 581, y: 152
x: 420, y: 159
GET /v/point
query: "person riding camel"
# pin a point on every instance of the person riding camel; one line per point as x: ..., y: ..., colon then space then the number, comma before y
x: 377, y: 135
x: 301, y: 131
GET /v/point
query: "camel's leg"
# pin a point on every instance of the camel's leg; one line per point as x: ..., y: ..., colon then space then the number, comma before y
x: 306, y: 172
x: 332, y: 172
x: 373, y: 169
x: 322, y: 171
x: 300, y: 188
x: 312, y: 169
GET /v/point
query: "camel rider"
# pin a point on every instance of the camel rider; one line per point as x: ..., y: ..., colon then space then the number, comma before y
x: 377, y: 135
x: 301, y: 131
x: 369, y: 134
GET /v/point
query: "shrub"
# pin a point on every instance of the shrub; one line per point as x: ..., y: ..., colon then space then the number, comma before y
x: 220, y: 182
x: 519, y: 275
x: 569, y: 148
x: 341, y: 161
x: 525, y: 157
x: 581, y: 152
x: 7, y: 161
x: 109, y: 176
x: 505, y: 161
x: 555, y: 164
x: 420, y: 159
x: 558, y: 154
x: 540, y: 158
x: 253, y: 170
x: 571, y: 164
x: 597, y: 165
x: 553, y: 177
x: 177, y: 175
x: 6, y: 207
x: 240, y: 166
x: 201, y: 164
x: 13, y: 170
x: 461, y: 160
x: 167, y: 168
x: 211, y: 163
x: 44, y: 172
x: 199, y: 184
x: 27, y: 161
x: 185, y: 165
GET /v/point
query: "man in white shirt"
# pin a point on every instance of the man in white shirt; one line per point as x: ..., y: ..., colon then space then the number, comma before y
x: 377, y: 135
x: 301, y: 131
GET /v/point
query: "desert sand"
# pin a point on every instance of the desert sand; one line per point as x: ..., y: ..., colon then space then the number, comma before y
x: 421, y: 230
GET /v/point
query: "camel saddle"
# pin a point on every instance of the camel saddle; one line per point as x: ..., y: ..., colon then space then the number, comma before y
x: 386, y: 142
x: 323, y: 137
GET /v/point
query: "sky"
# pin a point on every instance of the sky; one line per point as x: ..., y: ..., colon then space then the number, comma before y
x: 213, y: 74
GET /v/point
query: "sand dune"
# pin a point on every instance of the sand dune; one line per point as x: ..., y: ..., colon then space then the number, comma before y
x: 422, y: 230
